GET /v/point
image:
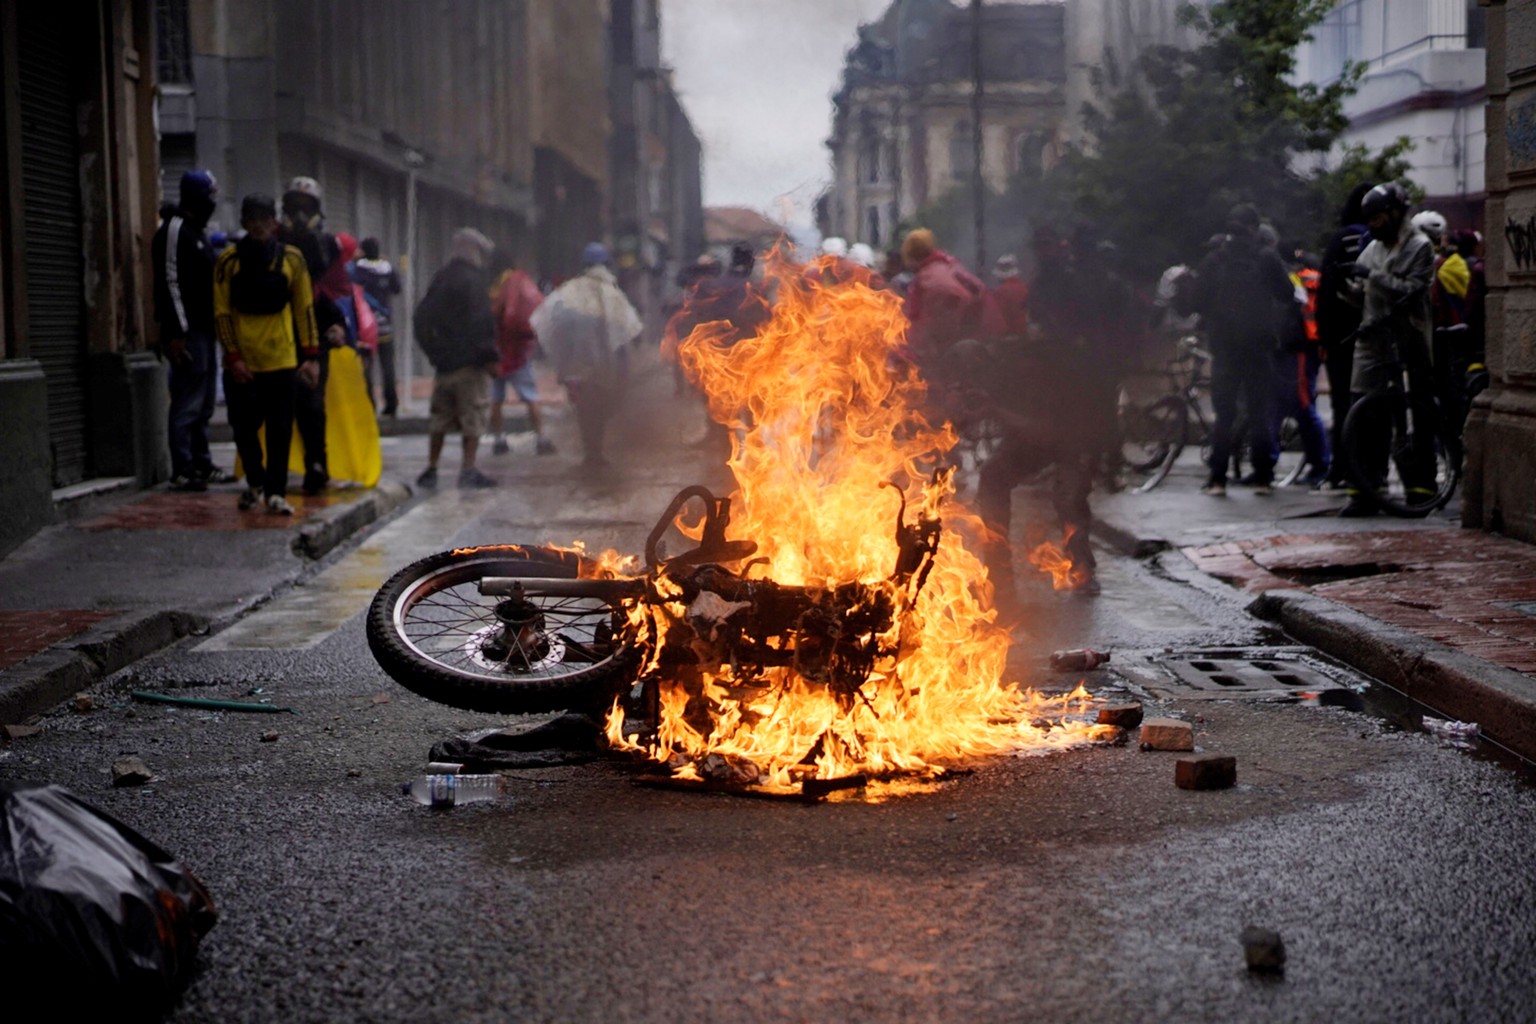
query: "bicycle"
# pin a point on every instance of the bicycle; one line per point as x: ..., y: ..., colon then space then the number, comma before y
x: 1398, y: 452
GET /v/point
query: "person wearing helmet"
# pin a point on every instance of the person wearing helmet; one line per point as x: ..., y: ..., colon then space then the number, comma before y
x: 1339, y: 298
x: 1397, y: 268
x: 183, y: 266
x: 587, y: 325
x: 302, y: 226
x: 835, y: 247
x: 1011, y: 295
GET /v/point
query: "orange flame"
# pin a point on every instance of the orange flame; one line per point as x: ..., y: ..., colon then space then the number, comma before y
x: 823, y: 411
x: 1053, y: 560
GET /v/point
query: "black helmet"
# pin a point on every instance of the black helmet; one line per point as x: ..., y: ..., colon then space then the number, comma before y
x: 256, y: 206
x: 1384, y: 198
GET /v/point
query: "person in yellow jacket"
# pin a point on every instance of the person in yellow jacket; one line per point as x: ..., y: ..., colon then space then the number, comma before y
x: 261, y: 295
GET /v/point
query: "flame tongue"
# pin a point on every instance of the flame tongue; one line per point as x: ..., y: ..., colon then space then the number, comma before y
x: 826, y: 413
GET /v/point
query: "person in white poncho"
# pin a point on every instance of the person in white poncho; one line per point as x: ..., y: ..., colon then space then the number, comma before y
x: 586, y: 326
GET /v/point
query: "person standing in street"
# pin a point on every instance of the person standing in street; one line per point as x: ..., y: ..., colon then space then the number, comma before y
x: 183, y: 266
x: 303, y: 228
x: 263, y: 310
x: 1339, y: 301
x: 514, y: 297
x: 457, y: 331
x: 1011, y: 295
x: 381, y: 283
x: 1397, y: 267
x: 587, y: 325
x: 1240, y: 292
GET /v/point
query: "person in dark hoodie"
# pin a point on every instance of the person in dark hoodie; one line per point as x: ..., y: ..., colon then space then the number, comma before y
x: 456, y: 329
x: 1339, y: 300
x: 381, y: 282
x: 303, y: 228
x: 1241, y: 290
x: 183, y: 266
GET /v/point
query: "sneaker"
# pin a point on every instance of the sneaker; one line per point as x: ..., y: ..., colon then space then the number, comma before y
x: 1356, y: 509
x: 500, y: 447
x: 1215, y: 489
x: 428, y: 477
x: 1316, y: 480
x: 545, y: 446
x: 187, y: 483
x: 314, y: 482
x: 277, y: 505
x: 475, y: 479
x: 248, y: 499
x: 215, y: 475
x: 1264, y: 490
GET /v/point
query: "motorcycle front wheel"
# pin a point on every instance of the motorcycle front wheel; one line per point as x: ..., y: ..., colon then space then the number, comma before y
x: 433, y: 631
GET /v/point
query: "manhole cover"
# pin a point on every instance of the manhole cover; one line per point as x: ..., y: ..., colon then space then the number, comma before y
x: 1226, y: 673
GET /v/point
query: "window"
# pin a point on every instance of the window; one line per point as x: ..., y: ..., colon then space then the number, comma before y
x: 869, y: 159
x: 872, y: 232
x: 173, y: 43
x: 1477, y: 26
x: 962, y: 151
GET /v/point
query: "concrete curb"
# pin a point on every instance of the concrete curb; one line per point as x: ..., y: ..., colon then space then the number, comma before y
x: 1126, y: 542
x: 42, y: 681
x: 1458, y: 685
x: 321, y: 533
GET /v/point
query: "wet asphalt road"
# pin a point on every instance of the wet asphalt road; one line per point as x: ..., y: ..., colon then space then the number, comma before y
x: 1074, y: 886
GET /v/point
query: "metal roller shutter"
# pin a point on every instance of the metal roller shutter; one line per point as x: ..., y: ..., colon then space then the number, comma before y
x: 55, y: 273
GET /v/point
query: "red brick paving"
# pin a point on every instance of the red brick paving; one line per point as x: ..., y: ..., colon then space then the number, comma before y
x: 1454, y: 586
x: 207, y: 510
x: 23, y: 634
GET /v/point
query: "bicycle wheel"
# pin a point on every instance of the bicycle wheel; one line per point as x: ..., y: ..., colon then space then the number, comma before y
x: 1384, y: 422
x: 432, y: 630
x: 1152, y: 438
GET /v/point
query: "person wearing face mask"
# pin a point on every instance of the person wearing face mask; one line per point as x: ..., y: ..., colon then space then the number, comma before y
x: 302, y: 227
x: 1395, y: 326
x: 183, y: 266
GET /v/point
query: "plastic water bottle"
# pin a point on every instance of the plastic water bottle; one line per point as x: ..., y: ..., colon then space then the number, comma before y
x: 452, y: 790
x: 1084, y: 659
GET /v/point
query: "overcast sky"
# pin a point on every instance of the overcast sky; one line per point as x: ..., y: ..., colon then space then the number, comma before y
x: 757, y: 77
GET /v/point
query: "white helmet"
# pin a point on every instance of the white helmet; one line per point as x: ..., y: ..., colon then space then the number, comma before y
x: 834, y: 246
x: 1431, y: 223
x: 862, y: 254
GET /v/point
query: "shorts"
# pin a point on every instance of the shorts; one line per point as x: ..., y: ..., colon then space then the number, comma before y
x: 522, y: 382
x: 460, y: 402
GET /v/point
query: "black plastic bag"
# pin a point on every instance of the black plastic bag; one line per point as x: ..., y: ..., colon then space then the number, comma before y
x: 91, y: 912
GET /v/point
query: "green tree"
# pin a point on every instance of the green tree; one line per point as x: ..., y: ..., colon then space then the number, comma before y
x: 1187, y: 133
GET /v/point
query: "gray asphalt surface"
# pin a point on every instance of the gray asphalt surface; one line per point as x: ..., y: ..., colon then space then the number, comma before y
x: 1074, y: 886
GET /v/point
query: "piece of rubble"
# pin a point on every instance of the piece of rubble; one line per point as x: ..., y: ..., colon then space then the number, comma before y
x: 16, y: 732
x: 1126, y: 716
x: 85, y: 702
x: 1264, y: 950
x: 270, y: 737
x: 1205, y: 771
x: 131, y: 771
x: 1167, y: 734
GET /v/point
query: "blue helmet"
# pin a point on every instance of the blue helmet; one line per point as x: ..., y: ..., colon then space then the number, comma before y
x: 595, y: 254
x: 199, y: 184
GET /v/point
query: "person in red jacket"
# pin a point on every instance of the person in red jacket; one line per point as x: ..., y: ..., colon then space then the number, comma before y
x: 514, y: 297
x: 945, y: 301
x: 1011, y: 295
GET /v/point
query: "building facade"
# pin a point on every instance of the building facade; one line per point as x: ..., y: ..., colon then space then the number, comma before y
x: 1424, y: 79
x: 1500, y: 487
x: 81, y: 397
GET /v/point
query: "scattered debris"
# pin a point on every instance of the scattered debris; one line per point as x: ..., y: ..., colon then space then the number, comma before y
x: 1205, y: 771
x: 821, y: 787
x: 1083, y: 659
x: 732, y: 771
x: 1126, y: 716
x: 16, y: 732
x: 1167, y: 734
x: 382, y: 698
x: 131, y: 771
x: 212, y: 705
x: 1461, y: 734
x: 85, y: 703
x: 270, y: 737
x: 569, y: 739
x: 354, y: 773
x: 1264, y: 950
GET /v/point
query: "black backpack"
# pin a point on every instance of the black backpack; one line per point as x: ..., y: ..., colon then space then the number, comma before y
x: 259, y: 287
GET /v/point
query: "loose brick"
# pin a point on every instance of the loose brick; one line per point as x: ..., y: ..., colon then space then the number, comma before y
x: 1205, y: 771
x: 1167, y: 734
x: 1126, y: 716
x: 1264, y: 950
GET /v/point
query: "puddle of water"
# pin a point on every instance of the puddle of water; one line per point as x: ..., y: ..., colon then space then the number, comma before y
x: 1402, y: 712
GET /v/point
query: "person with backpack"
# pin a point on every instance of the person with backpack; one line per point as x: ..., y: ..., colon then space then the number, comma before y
x: 456, y: 330
x: 1241, y: 290
x: 263, y: 309
x: 381, y: 283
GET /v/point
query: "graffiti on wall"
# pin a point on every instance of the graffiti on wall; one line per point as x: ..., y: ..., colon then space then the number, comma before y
x: 1521, y: 237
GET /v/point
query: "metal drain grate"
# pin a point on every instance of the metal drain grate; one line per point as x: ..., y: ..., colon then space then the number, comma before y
x: 1235, y: 672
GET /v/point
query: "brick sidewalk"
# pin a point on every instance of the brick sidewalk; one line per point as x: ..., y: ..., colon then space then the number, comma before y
x: 1472, y: 591
x: 25, y: 633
